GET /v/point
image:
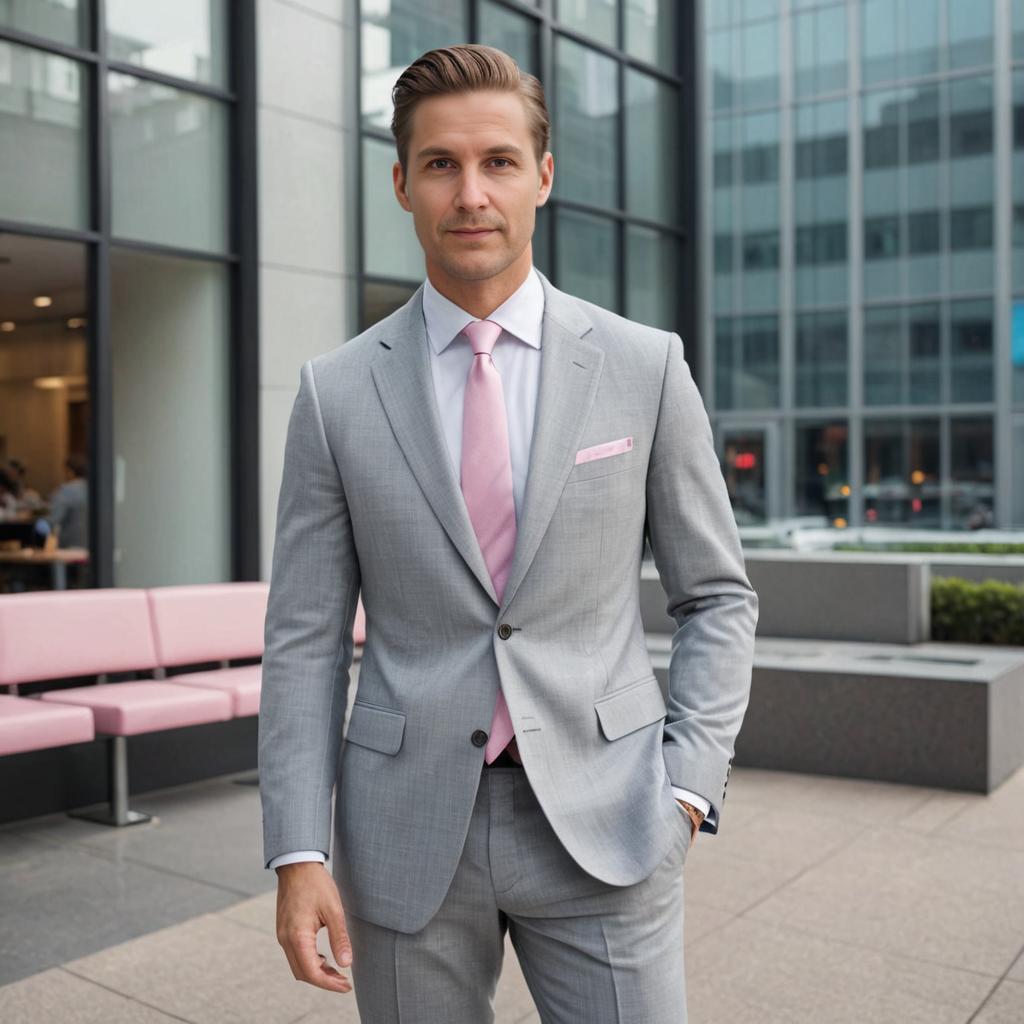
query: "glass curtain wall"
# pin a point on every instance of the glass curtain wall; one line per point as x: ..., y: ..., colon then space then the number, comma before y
x: 851, y: 263
x: 612, y: 228
x: 127, y: 308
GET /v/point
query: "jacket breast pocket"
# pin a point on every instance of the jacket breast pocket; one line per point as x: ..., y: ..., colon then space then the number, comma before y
x: 630, y: 708
x: 376, y: 727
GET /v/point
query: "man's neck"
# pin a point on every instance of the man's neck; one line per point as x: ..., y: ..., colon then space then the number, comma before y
x: 481, y: 298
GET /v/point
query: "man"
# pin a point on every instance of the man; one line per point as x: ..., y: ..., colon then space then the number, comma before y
x: 484, y: 464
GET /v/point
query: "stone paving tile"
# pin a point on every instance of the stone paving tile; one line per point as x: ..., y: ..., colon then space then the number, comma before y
x: 763, y: 973
x: 1006, y: 1005
x: 949, y: 900
x: 57, y: 995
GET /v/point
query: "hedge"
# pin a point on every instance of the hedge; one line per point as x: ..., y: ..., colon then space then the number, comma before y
x: 990, y: 612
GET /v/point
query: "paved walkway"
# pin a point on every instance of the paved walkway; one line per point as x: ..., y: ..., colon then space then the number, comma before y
x: 822, y: 900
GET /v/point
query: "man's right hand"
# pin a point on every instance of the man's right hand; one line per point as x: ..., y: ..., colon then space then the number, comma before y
x: 308, y: 899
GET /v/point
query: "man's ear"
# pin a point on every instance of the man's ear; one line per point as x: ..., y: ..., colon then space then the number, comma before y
x: 399, y: 182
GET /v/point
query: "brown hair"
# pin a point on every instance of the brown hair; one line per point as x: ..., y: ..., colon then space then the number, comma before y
x: 463, y: 68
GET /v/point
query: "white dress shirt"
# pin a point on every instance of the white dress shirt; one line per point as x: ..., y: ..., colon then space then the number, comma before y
x: 516, y: 356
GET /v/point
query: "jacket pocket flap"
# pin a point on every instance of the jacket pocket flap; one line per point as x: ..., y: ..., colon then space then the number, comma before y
x: 628, y: 709
x: 375, y: 727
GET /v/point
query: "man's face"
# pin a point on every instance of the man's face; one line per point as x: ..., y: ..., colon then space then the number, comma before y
x: 471, y: 164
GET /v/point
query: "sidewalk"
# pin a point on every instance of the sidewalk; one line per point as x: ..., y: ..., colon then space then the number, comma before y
x: 822, y: 900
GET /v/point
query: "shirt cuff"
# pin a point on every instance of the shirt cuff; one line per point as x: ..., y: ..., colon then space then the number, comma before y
x: 296, y: 857
x: 699, y: 802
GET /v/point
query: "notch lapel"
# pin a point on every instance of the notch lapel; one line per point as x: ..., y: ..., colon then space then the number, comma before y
x: 570, y: 369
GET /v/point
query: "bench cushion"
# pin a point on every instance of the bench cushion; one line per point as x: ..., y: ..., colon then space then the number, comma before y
x: 57, y: 634
x: 148, y: 705
x: 208, y: 621
x: 242, y: 684
x: 29, y: 724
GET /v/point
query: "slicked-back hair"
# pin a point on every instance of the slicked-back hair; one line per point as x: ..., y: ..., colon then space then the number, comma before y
x: 465, y: 67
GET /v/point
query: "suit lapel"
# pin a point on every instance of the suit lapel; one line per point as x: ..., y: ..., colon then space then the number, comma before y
x: 570, y: 368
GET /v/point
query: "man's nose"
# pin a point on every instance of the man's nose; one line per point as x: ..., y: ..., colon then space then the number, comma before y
x: 471, y: 191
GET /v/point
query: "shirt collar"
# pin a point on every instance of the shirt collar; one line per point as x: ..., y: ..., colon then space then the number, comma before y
x: 521, y: 314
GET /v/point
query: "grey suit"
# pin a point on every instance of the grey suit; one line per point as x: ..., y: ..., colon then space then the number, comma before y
x: 369, y: 500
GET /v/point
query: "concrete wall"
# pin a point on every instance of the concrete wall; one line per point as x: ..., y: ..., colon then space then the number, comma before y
x: 308, y: 150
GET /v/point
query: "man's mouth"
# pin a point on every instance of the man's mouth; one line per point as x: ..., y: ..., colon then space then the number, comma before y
x: 472, y: 232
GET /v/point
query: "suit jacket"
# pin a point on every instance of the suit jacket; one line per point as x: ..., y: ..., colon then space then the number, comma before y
x: 369, y: 501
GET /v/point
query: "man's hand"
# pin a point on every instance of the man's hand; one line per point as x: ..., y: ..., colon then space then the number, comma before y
x: 307, y: 899
x: 696, y: 817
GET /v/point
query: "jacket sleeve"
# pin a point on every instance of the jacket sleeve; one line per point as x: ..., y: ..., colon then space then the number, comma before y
x: 697, y: 551
x: 308, y: 645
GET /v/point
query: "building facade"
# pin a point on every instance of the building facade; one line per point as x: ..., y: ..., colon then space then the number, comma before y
x: 863, y: 227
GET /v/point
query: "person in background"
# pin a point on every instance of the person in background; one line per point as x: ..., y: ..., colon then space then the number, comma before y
x: 69, y: 505
x: 28, y: 497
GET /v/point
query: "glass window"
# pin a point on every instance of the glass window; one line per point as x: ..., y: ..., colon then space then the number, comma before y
x: 593, y: 18
x: 185, y: 38
x: 169, y: 165
x: 542, y: 241
x: 900, y: 39
x: 719, y: 12
x: 586, y: 116
x: 44, y: 413
x: 1017, y: 176
x: 722, y: 80
x: 758, y: 71
x: 170, y: 342
x: 884, y: 371
x: 390, y: 246
x: 64, y: 21
x: 970, y: 33
x: 381, y: 299
x: 759, y: 8
x: 901, y: 472
x: 1017, y: 22
x: 392, y: 34
x: 821, y: 474
x: 747, y: 362
x: 514, y: 33
x: 651, y: 32
x: 1017, y: 353
x: 821, y: 354
x: 588, y: 263
x: 652, y: 277
x: 819, y: 45
x: 44, y: 156
x: 971, y: 350
x: 972, y: 476
x: 924, y: 345
x: 652, y: 148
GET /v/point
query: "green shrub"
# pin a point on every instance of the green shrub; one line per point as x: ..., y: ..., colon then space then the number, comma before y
x: 990, y: 612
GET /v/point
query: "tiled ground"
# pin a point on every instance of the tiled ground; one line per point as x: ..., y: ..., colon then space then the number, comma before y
x: 821, y: 900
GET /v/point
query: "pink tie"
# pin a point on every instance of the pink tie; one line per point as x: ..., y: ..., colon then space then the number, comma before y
x: 487, y: 488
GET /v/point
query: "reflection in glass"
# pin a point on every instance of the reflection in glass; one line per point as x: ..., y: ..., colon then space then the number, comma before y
x: 169, y: 165
x: 971, y: 362
x: 924, y: 364
x: 585, y: 123
x: 652, y: 147
x: 821, y: 474
x: 587, y: 260
x: 972, y: 477
x: 758, y: 71
x: 652, y: 277
x: 64, y: 21
x: 1017, y: 176
x: 393, y: 33
x: 516, y: 34
x: 44, y: 415
x: 184, y: 38
x: 821, y: 354
x: 593, y: 18
x: 819, y: 42
x: 901, y: 472
x: 43, y: 160
x: 900, y: 39
x: 747, y: 362
x: 651, y: 32
x: 170, y: 341
x: 884, y: 370
x: 390, y: 246
x: 744, y: 469
x: 970, y: 33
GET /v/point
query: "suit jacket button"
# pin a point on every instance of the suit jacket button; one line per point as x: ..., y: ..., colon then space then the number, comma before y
x: 479, y: 738
x: 504, y: 631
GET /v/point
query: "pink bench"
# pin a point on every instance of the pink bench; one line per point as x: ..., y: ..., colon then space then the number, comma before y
x: 55, y: 634
x: 52, y: 635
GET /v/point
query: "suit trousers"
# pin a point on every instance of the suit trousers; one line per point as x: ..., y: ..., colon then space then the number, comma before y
x: 591, y: 952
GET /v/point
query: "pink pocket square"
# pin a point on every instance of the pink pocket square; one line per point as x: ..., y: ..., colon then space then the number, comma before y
x: 603, y: 450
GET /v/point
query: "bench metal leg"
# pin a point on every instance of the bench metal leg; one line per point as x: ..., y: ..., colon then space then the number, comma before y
x: 118, y: 813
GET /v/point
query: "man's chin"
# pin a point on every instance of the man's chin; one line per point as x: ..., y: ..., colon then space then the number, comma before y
x: 472, y: 267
